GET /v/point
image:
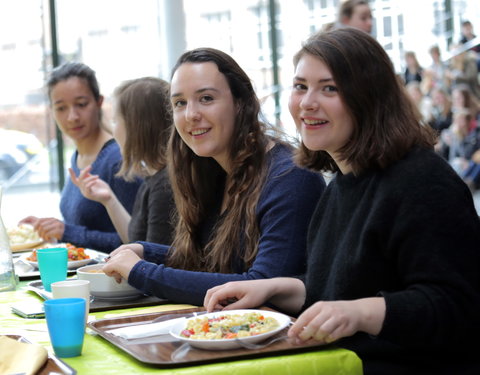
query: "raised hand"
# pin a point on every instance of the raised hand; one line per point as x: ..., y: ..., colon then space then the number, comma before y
x: 91, y: 186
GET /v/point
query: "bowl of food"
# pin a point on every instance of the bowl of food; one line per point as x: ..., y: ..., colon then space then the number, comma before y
x: 223, y: 330
x: 105, y: 287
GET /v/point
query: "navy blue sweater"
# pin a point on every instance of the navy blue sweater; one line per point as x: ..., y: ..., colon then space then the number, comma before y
x: 284, y: 209
x: 87, y: 223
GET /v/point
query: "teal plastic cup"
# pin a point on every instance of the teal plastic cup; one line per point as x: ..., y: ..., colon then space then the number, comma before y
x: 66, y: 325
x: 52, y: 263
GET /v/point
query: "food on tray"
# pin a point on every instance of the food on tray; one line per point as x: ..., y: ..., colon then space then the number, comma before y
x: 23, y: 234
x: 229, y: 326
x: 74, y: 253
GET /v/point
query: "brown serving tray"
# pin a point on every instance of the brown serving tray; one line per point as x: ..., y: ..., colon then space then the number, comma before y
x: 158, y: 350
x: 53, y: 366
x: 103, y: 304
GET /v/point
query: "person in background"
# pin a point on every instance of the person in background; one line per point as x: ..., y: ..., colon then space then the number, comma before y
x: 463, y: 70
x: 243, y: 206
x: 413, y: 71
x: 142, y: 118
x: 462, y: 98
x: 356, y: 13
x: 436, y: 71
x: 76, y: 106
x: 467, y: 35
x: 460, y: 141
x: 441, y: 113
x: 393, y: 245
x: 422, y: 102
x: 353, y: 13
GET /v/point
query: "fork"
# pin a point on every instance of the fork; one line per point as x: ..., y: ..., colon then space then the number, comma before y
x: 249, y: 345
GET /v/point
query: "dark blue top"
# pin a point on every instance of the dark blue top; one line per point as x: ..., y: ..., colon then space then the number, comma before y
x: 87, y: 223
x: 284, y: 209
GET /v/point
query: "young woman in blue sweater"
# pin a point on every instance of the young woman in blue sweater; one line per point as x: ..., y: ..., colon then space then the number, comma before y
x: 393, y: 246
x: 76, y: 106
x: 243, y: 206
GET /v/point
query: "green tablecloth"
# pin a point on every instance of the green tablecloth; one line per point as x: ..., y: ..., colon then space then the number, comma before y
x: 101, y: 357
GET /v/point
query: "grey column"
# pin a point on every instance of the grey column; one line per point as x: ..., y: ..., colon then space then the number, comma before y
x: 171, y: 18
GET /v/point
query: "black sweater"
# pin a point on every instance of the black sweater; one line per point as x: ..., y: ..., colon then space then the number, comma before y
x: 409, y: 233
x: 152, y: 215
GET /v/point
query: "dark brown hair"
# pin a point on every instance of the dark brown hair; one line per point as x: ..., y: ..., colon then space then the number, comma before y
x: 386, y: 124
x: 79, y: 70
x: 144, y: 106
x: 196, y: 180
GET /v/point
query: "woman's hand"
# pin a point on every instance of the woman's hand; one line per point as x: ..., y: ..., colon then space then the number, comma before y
x: 135, y: 247
x: 91, y: 186
x: 49, y: 228
x: 328, y: 321
x: 237, y: 295
x: 32, y: 220
x: 286, y: 293
x: 120, y: 265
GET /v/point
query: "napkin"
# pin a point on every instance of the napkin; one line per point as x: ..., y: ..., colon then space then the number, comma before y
x: 146, y: 330
x: 20, y: 357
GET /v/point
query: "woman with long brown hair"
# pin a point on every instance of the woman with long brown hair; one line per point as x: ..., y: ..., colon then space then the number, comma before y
x: 142, y: 122
x: 243, y: 206
x: 393, y: 245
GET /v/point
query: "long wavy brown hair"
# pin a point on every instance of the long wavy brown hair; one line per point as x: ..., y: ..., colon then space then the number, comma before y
x: 196, y: 181
x: 386, y: 123
x: 144, y: 106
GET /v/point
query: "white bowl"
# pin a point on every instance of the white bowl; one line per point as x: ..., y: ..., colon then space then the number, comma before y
x: 226, y: 344
x: 105, y: 287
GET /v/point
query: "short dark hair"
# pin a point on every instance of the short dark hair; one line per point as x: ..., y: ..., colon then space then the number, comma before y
x: 74, y: 69
x: 386, y: 123
x: 347, y: 8
x: 81, y: 71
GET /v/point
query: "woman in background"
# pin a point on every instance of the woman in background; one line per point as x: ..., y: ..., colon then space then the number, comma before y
x: 243, y: 206
x: 413, y: 71
x: 76, y: 106
x: 393, y: 245
x: 142, y: 117
x: 353, y: 13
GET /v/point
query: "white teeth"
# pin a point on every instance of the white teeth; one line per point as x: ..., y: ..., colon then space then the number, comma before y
x: 199, y: 131
x: 314, y: 122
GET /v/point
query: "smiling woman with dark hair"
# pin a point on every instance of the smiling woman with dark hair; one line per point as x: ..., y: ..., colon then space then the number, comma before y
x: 393, y: 245
x: 243, y: 205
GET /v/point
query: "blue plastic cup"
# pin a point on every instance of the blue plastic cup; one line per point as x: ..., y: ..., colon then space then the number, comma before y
x: 66, y: 325
x: 52, y: 263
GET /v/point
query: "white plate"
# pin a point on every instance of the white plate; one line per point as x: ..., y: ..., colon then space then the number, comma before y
x: 225, y: 344
x: 71, y: 265
x: 26, y: 245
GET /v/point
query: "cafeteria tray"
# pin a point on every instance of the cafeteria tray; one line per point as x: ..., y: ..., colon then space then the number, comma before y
x: 53, y: 366
x: 160, y: 350
x: 97, y: 304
